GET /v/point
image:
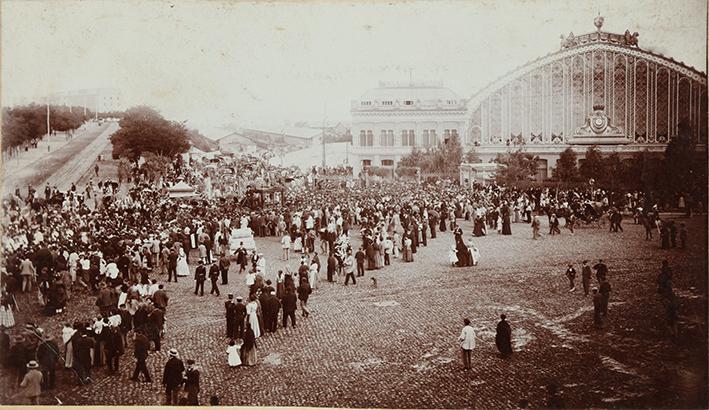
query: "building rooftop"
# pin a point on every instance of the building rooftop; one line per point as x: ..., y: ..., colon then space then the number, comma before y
x: 410, y: 91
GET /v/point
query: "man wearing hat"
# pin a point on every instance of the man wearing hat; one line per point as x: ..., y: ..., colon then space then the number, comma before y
x: 240, y: 317
x: 192, y: 383
x: 172, y: 377
x: 230, y: 308
x: 48, y: 356
x: 200, y: 275
x: 32, y: 383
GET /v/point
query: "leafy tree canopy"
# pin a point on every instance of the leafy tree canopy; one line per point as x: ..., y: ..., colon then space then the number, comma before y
x: 518, y: 167
x: 144, y: 130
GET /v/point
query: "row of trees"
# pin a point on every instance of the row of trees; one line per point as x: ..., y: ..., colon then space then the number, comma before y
x: 143, y: 130
x: 679, y: 169
x: 25, y: 124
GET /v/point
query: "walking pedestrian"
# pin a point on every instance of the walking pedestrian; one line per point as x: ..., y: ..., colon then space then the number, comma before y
x: 141, y: 346
x: 585, y: 277
x: 571, y: 275
x: 192, y: 383
x: 348, y: 264
x: 200, y: 275
x: 172, y: 377
x: 467, y: 343
x: 31, y: 385
x: 213, y: 277
x: 503, y: 337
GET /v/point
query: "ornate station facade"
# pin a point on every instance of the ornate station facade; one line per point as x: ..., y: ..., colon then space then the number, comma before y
x: 599, y: 89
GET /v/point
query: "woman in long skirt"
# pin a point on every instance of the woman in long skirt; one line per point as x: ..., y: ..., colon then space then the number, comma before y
x: 408, y: 256
x: 67, y: 333
x: 248, y: 349
x: 7, y: 318
x: 251, y: 308
x: 378, y: 258
x: 183, y: 268
x: 233, y: 354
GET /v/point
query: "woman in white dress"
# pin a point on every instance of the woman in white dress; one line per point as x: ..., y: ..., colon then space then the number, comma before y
x: 233, y: 354
x: 67, y: 333
x: 183, y: 268
x: 251, y: 308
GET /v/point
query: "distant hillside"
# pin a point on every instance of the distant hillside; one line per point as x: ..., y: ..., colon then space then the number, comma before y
x: 201, y: 142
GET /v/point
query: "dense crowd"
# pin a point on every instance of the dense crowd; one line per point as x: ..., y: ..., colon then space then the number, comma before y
x: 116, y: 243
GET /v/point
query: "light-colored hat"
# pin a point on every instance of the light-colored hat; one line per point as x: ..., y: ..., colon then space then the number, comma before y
x: 172, y: 352
x: 32, y: 364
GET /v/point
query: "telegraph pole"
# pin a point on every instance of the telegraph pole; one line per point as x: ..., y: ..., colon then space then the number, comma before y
x: 322, y: 135
x: 47, y: 119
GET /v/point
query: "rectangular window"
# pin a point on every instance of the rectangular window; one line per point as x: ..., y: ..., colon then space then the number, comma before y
x: 387, y: 162
x: 408, y: 102
x: 412, y: 138
x: 387, y: 102
x: 383, y: 138
x: 366, y: 162
x: 362, y: 138
x: 426, y: 142
x: 366, y: 103
x: 390, y: 138
x: 454, y: 133
x: 370, y: 138
x: 404, y: 138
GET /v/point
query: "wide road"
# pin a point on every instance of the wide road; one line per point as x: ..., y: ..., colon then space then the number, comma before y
x: 60, y: 166
x: 72, y: 170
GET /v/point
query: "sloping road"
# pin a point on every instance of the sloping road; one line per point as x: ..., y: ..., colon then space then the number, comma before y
x: 73, y: 169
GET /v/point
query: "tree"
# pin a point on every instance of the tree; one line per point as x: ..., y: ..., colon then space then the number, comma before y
x: 517, y: 168
x: 566, y: 170
x: 679, y: 161
x: 592, y: 166
x: 613, y: 171
x: 445, y: 158
x: 144, y: 130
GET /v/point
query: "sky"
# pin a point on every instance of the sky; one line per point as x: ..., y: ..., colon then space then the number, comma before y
x: 218, y: 63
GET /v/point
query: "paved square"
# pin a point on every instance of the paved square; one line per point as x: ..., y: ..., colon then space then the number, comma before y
x: 395, y: 346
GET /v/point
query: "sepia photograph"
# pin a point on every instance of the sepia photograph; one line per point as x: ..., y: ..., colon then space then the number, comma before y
x: 405, y: 204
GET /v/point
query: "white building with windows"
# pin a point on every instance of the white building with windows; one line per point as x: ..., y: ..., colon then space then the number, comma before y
x: 95, y: 99
x: 388, y: 121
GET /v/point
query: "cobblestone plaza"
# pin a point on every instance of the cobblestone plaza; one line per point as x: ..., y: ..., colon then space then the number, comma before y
x: 395, y: 346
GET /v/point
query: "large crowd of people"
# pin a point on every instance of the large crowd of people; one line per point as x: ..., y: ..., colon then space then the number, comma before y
x: 116, y: 242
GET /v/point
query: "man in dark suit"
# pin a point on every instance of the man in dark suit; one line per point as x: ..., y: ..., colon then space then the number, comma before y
x: 192, y: 383
x: 331, y: 267
x: 224, y: 263
x: 172, y: 265
x: 360, y: 257
x: 200, y: 275
x: 273, y: 305
x: 230, y: 308
x: 156, y: 322
x: 141, y: 347
x: 240, y: 312
x: 213, y: 277
x: 172, y: 378
x: 114, y: 348
x: 241, y: 257
x: 290, y: 304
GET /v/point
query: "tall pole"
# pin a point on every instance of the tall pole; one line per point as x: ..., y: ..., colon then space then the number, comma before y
x: 322, y: 134
x: 47, y: 116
